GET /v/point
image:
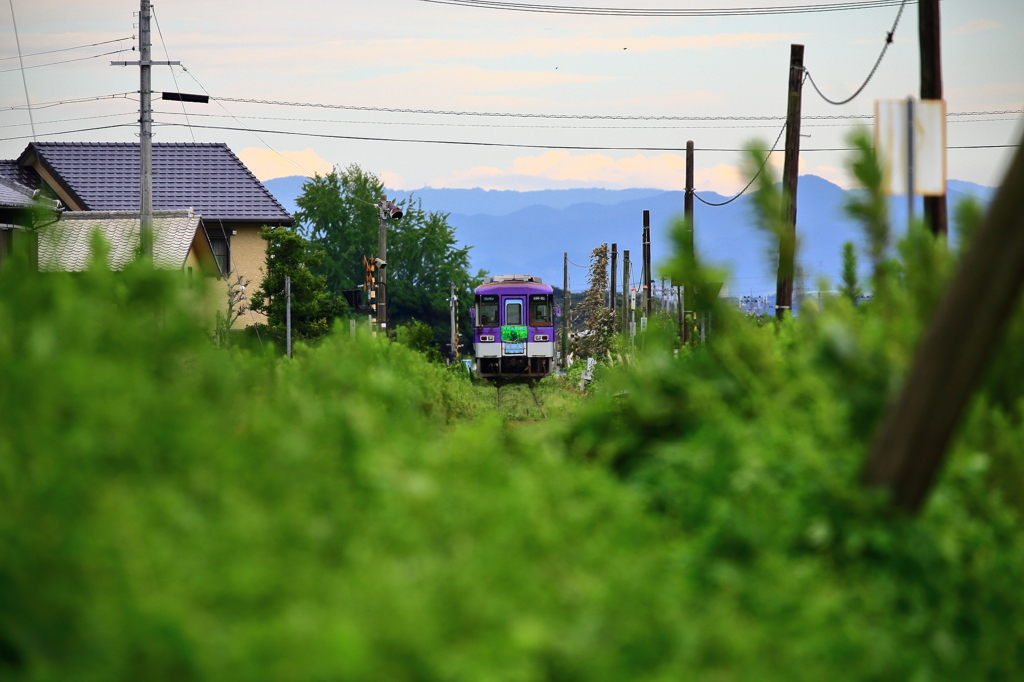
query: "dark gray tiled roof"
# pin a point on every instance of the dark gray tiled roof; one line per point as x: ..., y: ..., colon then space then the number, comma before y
x: 208, y: 178
x: 10, y: 170
x: 13, y: 195
x: 66, y: 246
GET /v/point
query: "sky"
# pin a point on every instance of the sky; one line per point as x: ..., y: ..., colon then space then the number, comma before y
x: 411, y: 54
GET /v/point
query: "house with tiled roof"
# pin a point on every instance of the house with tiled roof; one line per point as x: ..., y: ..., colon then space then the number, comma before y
x: 204, y: 178
x: 21, y: 208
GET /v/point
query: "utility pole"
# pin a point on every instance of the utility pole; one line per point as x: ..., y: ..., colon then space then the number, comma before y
x: 791, y: 166
x: 288, y: 314
x: 565, y: 310
x: 648, y: 279
x: 453, y: 303
x: 625, y: 291
x: 688, y: 199
x: 929, y: 37
x: 146, y: 131
x: 145, y: 65
x: 382, y: 271
x: 615, y: 262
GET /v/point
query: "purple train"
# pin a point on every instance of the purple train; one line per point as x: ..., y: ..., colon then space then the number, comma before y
x: 513, y: 328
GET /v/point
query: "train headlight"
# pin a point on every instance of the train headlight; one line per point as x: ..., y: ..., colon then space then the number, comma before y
x: 540, y: 337
x: 486, y: 337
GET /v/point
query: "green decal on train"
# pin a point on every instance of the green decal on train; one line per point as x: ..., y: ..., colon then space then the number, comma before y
x: 513, y: 333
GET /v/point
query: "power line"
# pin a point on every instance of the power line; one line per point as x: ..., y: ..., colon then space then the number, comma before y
x: 68, y: 49
x: 756, y: 176
x: 68, y: 120
x: 513, y: 145
x: 17, y: 39
x: 173, y: 76
x: 69, y: 132
x: 583, y: 117
x: 66, y: 61
x: 878, y: 62
x: 79, y: 100
x: 656, y: 12
x: 536, y: 127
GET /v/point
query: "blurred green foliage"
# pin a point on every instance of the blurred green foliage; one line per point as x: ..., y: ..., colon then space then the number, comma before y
x: 171, y: 511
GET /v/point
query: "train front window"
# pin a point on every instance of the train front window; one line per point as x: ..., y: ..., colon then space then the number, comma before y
x: 487, y: 311
x: 514, y: 312
x: 540, y: 310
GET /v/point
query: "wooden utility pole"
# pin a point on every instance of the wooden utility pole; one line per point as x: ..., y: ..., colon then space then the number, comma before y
x: 565, y: 310
x: 688, y: 200
x: 790, y: 169
x: 613, y: 283
x: 648, y: 279
x: 955, y: 350
x: 929, y: 37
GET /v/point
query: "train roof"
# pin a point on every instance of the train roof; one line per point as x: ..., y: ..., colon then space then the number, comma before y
x: 514, y: 284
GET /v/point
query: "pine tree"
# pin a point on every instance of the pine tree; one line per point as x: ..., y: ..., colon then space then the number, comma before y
x: 851, y: 286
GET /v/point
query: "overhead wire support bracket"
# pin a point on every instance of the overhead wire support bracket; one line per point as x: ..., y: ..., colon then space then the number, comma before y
x: 145, y: 63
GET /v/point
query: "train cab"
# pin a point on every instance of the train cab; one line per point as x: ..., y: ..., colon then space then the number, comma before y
x: 514, y: 328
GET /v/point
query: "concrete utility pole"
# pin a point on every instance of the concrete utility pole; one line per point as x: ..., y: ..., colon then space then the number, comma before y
x: 615, y: 262
x: 565, y: 310
x: 929, y: 37
x: 625, y: 291
x: 146, y: 130
x: 791, y: 166
x: 145, y: 65
x: 453, y: 303
x: 288, y: 313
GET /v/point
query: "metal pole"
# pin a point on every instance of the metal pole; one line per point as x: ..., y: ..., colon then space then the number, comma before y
x: 288, y: 314
x: 791, y: 167
x: 452, y: 303
x: 145, y: 132
x: 929, y: 36
x: 565, y: 310
x: 910, y: 161
x: 382, y: 270
x: 613, y: 283
x: 625, y: 291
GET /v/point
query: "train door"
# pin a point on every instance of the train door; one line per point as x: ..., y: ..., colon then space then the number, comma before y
x: 514, y: 329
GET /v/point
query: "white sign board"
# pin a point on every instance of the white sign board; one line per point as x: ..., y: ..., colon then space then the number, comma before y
x: 929, y: 145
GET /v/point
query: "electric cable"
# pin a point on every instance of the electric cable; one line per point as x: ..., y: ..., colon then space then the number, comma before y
x: 65, y: 61
x: 173, y: 76
x: 878, y: 62
x: 79, y: 100
x: 656, y: 12
x: 291, y: 161
x: 756, y: 176
x: 68, y: 49
x: 517, y: 145
x: 68, y: 120
x: 69, y: 132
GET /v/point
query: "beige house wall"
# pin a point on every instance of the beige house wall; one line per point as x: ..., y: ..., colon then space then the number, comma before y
x: 248, y: 256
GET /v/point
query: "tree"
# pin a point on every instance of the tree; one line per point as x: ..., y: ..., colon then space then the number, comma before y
x: 599, y: 323
x: 339, y: 213
x: 851, y: 286
x: 314, y: 308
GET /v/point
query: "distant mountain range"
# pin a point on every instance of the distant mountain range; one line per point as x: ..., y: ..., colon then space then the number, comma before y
x: 527, y: 232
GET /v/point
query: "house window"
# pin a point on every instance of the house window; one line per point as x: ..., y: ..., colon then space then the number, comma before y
x: 221, y: 253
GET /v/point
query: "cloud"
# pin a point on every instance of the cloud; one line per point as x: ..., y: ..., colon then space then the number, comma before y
x: 976, y: 26
x: 393, y: 180
x: 266, y: 164
x: 563, y: 169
